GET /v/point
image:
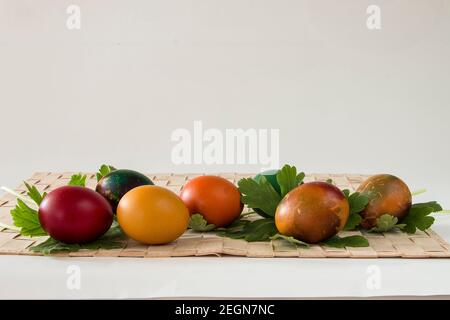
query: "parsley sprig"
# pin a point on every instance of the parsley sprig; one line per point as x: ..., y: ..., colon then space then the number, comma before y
x: 256, y: 230
x: 357, y: 202
x: 349, y: 241
x: 104, y: 170
x: 34, y: 193
x: 419, y: 216
x: 387, y: 223
x: 27, y: 220
x: 259, y: 195
x: 25, y: 217
x: 78, y: 180
x: 288, y: 179
x: 262, y: 195
x: 198, y: 223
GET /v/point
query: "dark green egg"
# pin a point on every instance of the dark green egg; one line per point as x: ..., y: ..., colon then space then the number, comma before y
x: 115, y: 184
x: 271, y: 176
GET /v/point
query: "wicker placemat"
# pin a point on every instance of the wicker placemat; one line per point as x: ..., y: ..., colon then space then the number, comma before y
x: 389, y: 245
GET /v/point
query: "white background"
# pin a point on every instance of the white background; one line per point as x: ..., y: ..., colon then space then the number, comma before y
x: 345, y: 98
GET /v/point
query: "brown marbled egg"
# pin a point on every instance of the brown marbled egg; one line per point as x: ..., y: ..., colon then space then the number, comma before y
x: 388, y: 195
x: 312, y: 212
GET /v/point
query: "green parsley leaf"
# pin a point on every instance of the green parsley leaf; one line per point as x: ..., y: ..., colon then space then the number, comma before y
x: 257, y: 230
x: 237, y: 225
x: 288, y: 179
x: 198, y: 223
x: 353, y: 221
x: 27, y: 220
x: 34, y: 194
x: 104, y: 170
x: 418, y: 216
x: 78, y: 180
x: 112, y: 239
x: 346, y: 193
x: 357, y: 202
x: 289, y: 239
x: 432, y: 204
x: 51, y: 245
x: 387, y: 222
x: 300, y: 178
x: 342, y: 242
x: 233, y: 234
x: 259, y: 195
x: 260, y: 230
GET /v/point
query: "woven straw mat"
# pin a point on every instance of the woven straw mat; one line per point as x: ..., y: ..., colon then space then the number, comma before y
x: 389, y: 245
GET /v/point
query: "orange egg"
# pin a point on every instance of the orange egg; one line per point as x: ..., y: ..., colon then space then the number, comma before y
x: 152, y: 215
x: 215, y: 198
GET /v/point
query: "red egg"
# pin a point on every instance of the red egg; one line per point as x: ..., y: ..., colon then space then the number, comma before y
x: 74, y: 214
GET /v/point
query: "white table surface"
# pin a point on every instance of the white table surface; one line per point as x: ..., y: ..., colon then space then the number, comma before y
x: 228, y: 277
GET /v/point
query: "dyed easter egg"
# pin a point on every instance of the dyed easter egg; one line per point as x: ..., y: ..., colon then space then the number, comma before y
x: 152, y: 215
x: 74, y: 214
x: 271, y: 176
x: 117, y: 183
x: 387, y: 195
x: 312, y: 212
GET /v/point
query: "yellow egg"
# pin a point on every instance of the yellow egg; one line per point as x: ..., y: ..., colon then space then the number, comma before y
x: 152, y: 215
